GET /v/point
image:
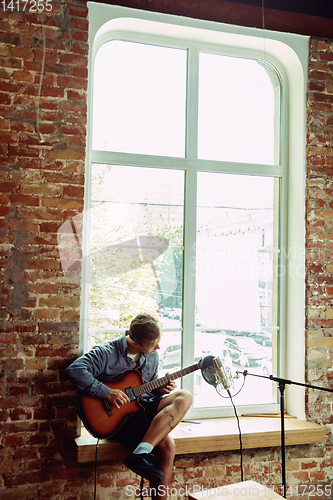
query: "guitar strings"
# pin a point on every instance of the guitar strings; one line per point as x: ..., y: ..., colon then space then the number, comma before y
x: 154, y: 384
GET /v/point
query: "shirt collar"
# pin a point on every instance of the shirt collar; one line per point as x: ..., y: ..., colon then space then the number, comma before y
x: 125, y: 349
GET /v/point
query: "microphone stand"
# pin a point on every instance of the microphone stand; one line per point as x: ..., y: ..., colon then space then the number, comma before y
x: 281, y: 385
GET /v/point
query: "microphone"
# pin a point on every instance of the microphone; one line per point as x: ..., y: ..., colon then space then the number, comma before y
x: 225, y: 379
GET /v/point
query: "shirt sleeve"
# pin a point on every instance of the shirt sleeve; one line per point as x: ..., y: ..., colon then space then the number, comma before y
x: 84, y: 370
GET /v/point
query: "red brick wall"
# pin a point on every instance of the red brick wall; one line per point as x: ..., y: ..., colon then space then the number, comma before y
x: 319, y: 295
x: 41, y: 186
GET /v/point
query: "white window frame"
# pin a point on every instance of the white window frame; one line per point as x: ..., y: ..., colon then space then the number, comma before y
x: 289, y: 55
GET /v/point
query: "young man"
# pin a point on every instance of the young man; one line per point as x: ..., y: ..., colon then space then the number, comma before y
x: 140, y: 433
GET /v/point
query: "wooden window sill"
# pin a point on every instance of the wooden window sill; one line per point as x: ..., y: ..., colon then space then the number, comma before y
x: 216, y: 434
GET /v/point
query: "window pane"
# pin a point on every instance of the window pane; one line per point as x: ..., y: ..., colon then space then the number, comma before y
x: 139, y: 99
x: 236, y: 289
x: 170, y: 352
x: 136, y: 247
x: 238, y: 110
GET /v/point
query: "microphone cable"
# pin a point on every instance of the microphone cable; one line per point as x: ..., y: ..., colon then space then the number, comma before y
x: 95, y: 486
x: 229, y: 396
x: 238, y: 423
x: 240, y: 437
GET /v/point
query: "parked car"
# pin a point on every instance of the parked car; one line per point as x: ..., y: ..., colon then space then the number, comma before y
x: 205, y: 345
x: 170, y: 357
x: 267, y: 367
x: 263, y: 338
x: 244, y: 350
x: 237, y: 333
x: 175, y: 313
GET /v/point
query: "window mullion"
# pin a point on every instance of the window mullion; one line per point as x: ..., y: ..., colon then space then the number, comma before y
x: 189, y: 274
x: 192, y: 103
x: 190, y: 213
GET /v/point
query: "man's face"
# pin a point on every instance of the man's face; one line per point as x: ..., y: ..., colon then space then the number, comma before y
x: 150, y: 346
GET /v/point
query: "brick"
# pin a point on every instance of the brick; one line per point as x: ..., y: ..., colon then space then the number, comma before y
x: 55, y: 92
x: 22, y: 53
x: 66, y: 130
x: 41, y: 189
x: 9, y: 187
x: 49, y: 227
x: 74, y: 95
x: 63, y: 203
x: 65, y: 474
x: 320, y: 97
x: 80, y: 36
x: 73, y: 141
x: 76, y: 107
x: 4, y: 211
x: 77, y: 11
x: 19, y: 199
x: 23, y: 478
x: 6, y: 100
x: 20, y: 493
x: 73, y: 59
x: 322, y: 46
x: 309, y: 465
x: 12, y: 440
x: 22, y: 76
x: 18, y: 390
x: 16, y: 151
x: 47, y: 128
x: 12, y: 364
x: 41, y: 214
x: 65, y: 154
x: 53, y: 351
x: 317, y: 86
x: 35, y: 364
x: 79, y: 24
x: 44, y: 414
x: 72, y: 83
x: 43, y: 264
x: 45, y: 314
x: 21, y: 414
x: 9, y: 466
x: 326, y: 56
x: 318, y: 476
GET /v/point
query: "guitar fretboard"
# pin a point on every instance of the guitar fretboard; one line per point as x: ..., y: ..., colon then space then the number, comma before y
x: 159, y: 382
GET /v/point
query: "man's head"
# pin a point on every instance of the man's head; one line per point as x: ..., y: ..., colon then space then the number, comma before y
x: 145, y: 331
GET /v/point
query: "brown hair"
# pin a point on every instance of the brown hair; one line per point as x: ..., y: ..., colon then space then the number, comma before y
x: 144, y: 327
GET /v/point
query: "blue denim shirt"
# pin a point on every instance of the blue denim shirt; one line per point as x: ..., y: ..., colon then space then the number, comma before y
x: 109, y: 361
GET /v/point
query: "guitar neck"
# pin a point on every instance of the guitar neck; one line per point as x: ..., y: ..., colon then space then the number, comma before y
x: 159, y: 382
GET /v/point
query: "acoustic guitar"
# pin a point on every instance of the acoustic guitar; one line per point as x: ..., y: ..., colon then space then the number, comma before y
x: 102, y: 419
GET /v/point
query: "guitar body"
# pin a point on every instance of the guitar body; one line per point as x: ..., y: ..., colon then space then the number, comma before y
x: 104, y: 421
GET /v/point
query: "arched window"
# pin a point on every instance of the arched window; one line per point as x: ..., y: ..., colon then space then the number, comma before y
x: 188, y: 181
